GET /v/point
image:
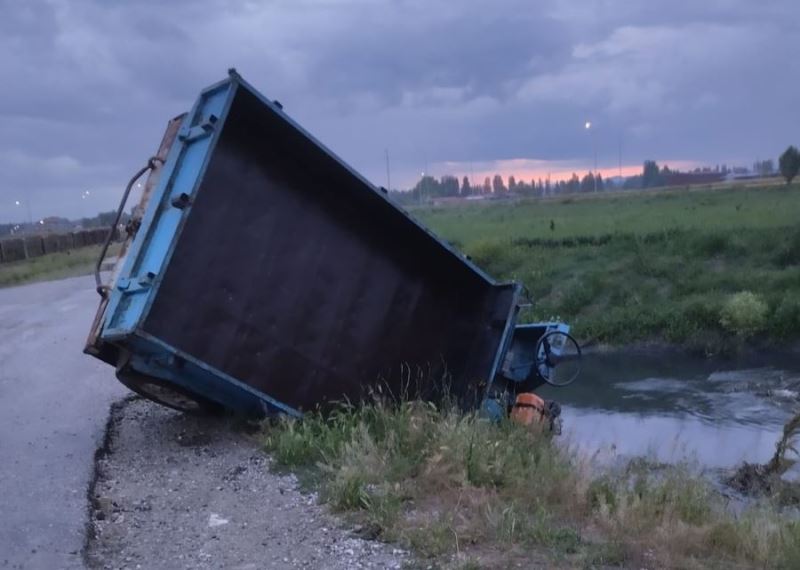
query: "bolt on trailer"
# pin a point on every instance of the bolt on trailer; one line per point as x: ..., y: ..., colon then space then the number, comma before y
x: 263, y: 275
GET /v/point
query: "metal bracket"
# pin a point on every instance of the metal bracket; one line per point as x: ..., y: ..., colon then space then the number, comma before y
x: 201, y: 131
x: 131, y: 286
x: 183, y: 200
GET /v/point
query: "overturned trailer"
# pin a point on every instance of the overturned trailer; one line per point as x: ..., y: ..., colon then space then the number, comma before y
x: 263, y: 275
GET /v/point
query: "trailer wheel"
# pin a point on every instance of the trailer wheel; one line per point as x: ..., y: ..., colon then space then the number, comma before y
x: 166, y: 393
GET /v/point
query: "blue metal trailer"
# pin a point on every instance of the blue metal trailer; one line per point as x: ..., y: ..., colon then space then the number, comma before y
x: 263, y: 275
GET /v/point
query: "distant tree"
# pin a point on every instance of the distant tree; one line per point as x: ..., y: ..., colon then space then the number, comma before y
x: 427, y: 187
x: 449, y: 185
x: 650, y: 174
x: 466, y: 188
x: 633, y: 182
x: 512, y: 183
x: 487, y: 185
x: 587, y: 183
x: 600, y: 183
x: 497, y: 184
x: 789, y: 163
x: 574, y: 184
x: 106, y: 218
x: 764, y: 168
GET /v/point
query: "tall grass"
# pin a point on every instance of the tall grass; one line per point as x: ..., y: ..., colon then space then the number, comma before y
x: 452, y: 486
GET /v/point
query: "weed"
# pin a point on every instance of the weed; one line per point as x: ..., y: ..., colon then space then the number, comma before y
x: 744, y: 314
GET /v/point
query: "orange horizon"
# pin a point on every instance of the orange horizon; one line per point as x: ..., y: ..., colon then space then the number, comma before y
x: 532, y: 169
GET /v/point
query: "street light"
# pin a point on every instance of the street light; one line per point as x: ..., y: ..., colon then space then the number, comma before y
x: 84, y: 195
x: 588, y: 126
x: 18, y: 203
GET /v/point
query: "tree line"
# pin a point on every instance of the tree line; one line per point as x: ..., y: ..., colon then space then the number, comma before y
x: 429, y: 187
x: 652, y: 176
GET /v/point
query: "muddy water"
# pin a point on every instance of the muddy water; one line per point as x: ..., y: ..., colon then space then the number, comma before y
x: 671, y: 408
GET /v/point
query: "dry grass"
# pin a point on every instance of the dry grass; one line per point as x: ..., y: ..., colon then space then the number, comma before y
x: 461, y: 491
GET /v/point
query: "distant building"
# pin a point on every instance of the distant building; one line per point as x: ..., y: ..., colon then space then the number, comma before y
x: 54, y: 224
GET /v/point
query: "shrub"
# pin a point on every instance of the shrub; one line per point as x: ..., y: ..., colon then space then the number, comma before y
x: 744, y: 313
x: 710, y: 244
x: 789, y: 253
x: 486, y: 253
x: 786, y: 320
x: 496, y: 257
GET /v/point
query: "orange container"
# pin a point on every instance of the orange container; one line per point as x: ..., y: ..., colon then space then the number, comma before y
x: 529, y: 409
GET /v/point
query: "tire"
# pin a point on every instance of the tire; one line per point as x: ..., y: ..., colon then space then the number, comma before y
x: 165, y: 393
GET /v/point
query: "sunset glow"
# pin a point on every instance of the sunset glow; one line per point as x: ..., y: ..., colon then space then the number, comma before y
x: 532, y: 169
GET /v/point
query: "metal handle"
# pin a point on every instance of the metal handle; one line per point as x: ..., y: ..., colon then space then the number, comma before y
x: 151, y: 165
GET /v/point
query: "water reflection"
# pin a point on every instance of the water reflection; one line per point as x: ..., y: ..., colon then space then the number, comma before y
x: 671, y: 407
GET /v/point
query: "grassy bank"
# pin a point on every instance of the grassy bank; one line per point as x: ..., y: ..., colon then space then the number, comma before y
x: 53, y: 266
x: 709, y: 270
x: 464, y: 493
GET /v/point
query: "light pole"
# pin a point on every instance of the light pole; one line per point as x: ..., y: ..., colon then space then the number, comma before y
x: 18, y: 204
x: 588, y: 126
x: 84, y: 197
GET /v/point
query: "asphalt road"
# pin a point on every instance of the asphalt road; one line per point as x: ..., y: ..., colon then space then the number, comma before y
x: 54, y: 404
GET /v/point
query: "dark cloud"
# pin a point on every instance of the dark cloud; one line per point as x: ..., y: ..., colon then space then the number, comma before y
x: 89, y: 84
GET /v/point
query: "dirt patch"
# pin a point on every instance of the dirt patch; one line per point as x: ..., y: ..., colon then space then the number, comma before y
x: 174, y: 491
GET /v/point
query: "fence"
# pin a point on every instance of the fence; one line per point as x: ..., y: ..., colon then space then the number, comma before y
x: 27, y: 247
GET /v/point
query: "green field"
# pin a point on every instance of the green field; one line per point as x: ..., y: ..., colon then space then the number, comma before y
x: 664, y: 266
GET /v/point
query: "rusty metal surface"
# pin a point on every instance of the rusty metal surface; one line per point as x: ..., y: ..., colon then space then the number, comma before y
x: 93, y: 346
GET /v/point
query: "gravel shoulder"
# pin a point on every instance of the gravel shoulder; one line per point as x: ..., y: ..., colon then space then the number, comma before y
x: 176, y: 491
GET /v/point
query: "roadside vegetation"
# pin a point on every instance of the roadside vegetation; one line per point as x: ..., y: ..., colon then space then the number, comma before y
x: 461, y: 492
x: 709, y: 270
x: 80, y: 261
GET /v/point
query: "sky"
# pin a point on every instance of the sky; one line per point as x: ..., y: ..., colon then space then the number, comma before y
x: 461, y: 87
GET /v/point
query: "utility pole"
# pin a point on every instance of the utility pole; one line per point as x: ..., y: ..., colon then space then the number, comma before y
x: 588, y: 126
x: 28, y: 207
x: 388, y: 172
